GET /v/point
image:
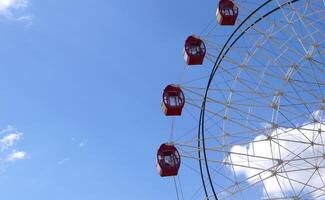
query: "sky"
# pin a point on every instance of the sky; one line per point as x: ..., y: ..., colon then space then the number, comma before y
x: 81, y: 85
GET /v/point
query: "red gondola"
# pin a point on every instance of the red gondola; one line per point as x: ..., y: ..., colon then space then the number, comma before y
x: 194, y: 51
x: 173, y: 101
x: 227, y: 12
x: 168, y: 160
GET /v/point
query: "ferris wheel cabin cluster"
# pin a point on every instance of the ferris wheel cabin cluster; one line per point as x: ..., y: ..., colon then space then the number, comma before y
x: 173, y: 99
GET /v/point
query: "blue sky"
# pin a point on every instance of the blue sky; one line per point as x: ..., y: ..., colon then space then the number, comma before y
x: 81, y: 86
x: 83, y: 80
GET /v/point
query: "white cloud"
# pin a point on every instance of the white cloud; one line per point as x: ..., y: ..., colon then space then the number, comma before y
x: 9, y: 140
x: 318, y: 116
x: 289, y: 161
x: 16, y: 155
x: 10, y: 4
x: 13, y: 9
x: 9, y: 137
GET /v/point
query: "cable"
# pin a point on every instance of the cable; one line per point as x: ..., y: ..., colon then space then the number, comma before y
x: 180, y: 187
x: 172, y: 130
x: 176, y: 188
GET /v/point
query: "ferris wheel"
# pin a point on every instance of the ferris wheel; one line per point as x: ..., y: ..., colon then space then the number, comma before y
x: 247, y: 116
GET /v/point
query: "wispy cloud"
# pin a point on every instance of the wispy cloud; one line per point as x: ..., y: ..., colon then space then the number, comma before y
x: 16, y: 155
x: 17, y: 4
x: 61, y: 162
x: 15, y: 10
x: 9, y: 140
x: 9, y: 137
